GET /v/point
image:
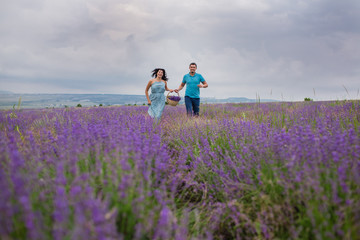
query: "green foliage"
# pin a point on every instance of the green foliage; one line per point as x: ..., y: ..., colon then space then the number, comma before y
x: 308, y: 99
x: 79, y: 105
x: 18, y: 105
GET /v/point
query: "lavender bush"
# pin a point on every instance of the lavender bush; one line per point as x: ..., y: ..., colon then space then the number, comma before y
x: 240, y: 171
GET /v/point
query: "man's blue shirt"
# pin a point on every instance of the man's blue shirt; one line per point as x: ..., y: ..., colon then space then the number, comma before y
x: 192, y: 90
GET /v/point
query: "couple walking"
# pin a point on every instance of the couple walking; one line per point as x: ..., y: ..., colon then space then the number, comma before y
x: 156, y: 101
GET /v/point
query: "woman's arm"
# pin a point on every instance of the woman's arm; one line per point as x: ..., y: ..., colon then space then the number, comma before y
x: 147, y: 91
x: 166, y: 87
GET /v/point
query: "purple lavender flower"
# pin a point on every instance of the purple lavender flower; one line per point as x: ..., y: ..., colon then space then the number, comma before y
x: 61, y: 213
x: 174, y: 98
x: 163, y: 229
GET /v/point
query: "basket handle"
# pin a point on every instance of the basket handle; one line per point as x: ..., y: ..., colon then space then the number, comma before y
x: 175, y: 92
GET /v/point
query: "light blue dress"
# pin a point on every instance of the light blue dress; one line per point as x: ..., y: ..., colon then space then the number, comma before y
x: 157, y: 99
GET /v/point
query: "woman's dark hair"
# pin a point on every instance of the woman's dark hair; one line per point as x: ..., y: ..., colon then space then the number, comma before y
x: 155, y: 71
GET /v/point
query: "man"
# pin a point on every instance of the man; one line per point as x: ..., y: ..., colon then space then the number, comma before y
x: 193, y: 81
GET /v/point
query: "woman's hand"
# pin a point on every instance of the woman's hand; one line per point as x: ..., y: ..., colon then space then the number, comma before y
x: 149, y: 103
x: 200, y: 86
x: 171, y: 90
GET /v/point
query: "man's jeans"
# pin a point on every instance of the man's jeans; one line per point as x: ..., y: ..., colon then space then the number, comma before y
x: 192, y: 106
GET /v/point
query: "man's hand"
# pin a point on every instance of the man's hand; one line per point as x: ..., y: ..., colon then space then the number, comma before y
x: 176, y: 90
x: 203, y: 85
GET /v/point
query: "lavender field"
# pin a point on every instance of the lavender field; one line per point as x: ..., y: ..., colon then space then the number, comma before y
x: 240, y: 171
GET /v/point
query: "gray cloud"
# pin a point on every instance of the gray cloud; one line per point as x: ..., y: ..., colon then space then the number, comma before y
x: 276, y: 49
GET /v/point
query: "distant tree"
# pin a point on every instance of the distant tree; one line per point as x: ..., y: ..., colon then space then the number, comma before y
x: 100, y: 105
x: 308, y: 100
x: 79, y: 105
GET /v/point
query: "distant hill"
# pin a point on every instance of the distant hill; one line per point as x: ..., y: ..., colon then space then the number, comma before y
x: 6, y: 92
x: 234, y: 100
x: 8, y: 100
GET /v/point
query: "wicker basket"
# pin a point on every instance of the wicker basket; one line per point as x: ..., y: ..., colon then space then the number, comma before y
x: 172, y: 102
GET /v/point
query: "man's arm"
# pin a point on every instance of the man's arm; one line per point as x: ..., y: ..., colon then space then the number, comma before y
x: 180, y: 87
x: 203, y: 85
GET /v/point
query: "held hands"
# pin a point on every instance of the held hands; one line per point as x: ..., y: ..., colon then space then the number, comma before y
x: 200, y: 85
x: 176, y: 90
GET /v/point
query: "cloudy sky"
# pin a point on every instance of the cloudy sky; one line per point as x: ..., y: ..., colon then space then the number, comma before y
x: 276, y: 49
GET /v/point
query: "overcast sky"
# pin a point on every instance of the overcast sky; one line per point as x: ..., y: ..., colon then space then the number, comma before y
x: 278, y: 49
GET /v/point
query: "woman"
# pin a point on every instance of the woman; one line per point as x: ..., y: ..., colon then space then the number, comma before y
x: 156, y: 100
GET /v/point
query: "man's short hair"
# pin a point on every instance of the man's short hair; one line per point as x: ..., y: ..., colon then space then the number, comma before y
x: 193, y: 64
